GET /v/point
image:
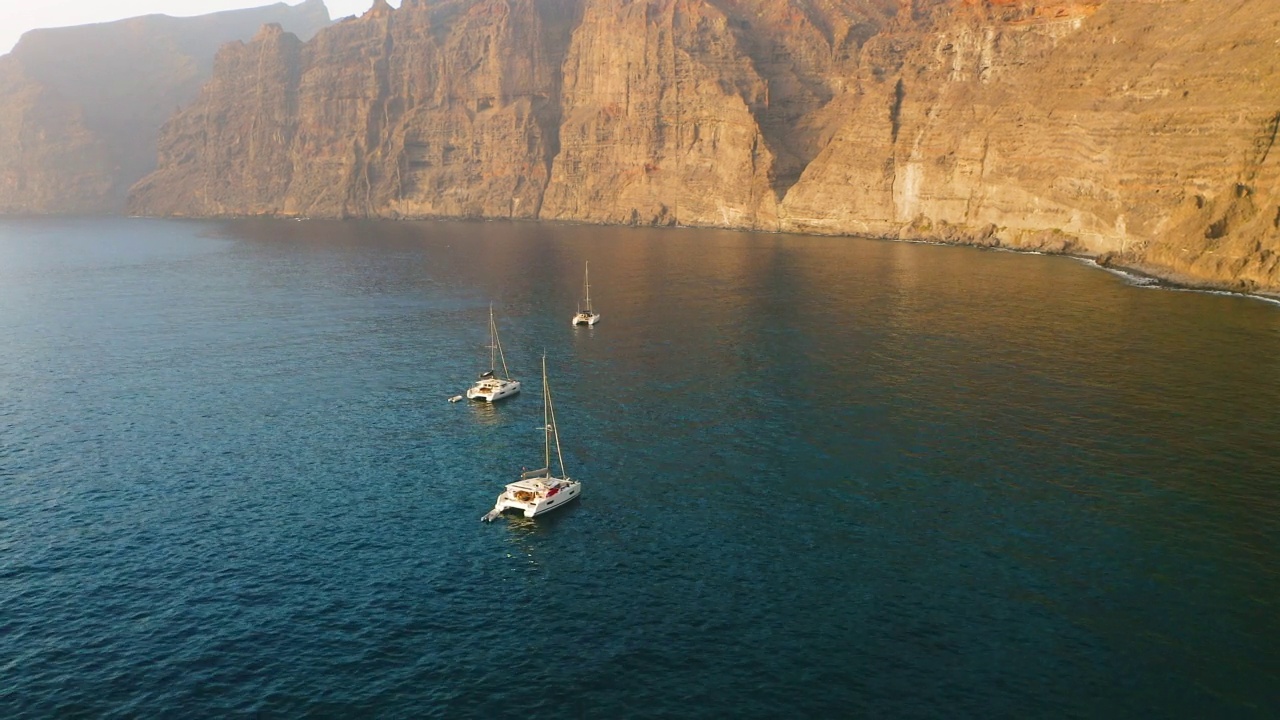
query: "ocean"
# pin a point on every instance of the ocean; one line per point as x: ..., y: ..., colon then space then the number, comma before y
x: 822, y: 477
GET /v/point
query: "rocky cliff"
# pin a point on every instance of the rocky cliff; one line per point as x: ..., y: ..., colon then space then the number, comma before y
x: 1139, y: 131
x: 82, y: 106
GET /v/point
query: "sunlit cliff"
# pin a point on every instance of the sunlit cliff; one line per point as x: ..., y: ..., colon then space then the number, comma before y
x: 1137, y: 131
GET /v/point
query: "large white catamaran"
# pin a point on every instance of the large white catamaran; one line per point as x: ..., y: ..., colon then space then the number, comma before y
x: 540, y: 491
x: 490, y: 386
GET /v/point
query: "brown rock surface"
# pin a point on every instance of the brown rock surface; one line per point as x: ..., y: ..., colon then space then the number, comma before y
x: 657, y: 124
x: 82, y: 105
x: 49, y: 159
x: 1139, y: 129
x: 434, y: 109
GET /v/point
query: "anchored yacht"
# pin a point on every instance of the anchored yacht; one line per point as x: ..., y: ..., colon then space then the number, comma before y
x: 540, y: 491
x: 491, y: 387
x: 585, y: 315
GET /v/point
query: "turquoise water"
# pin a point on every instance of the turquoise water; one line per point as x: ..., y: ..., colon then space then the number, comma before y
x: 822, y: 478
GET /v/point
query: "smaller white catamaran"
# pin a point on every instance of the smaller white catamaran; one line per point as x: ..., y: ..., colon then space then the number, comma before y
x: 491, y: 387
x: 586, y: 316
x: 539, y: 491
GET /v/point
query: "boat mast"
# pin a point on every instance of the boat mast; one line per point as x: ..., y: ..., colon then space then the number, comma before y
x: 546, y: 418
x: 586, y: 283
x: 549, y: 418
x: 493, y: 341
x: 495, y: 348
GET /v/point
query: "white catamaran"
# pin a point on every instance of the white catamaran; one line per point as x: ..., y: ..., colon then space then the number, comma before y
x: 585, y: 315
x: 490, y: 387
x: 539, y: 491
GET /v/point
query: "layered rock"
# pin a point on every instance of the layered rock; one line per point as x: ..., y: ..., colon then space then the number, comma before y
x: 82, y: 106
x: 435, y: 109
x: 657, y: 124
x: 1139, y: 131
x: 50, y: 161
x: 804, y: 51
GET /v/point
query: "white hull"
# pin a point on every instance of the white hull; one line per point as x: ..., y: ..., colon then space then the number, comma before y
x: 493, y: 389
x: 586, y: 314
x: 539, y: 491
x: 535, y: 498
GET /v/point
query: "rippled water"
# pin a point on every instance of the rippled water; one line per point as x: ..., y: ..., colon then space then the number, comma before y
x: 822, y: 477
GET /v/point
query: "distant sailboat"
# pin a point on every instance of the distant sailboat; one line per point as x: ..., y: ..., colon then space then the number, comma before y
x: 491, y: 387
x: 586, y: 316
x: 540, y: 491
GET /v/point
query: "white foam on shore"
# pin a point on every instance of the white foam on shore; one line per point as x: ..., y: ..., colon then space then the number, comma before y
x: 1019, y: 251
x: 1140, y: 280
x: 1129, y: 277
x: 1228, y: 293
x: 1136, y: 279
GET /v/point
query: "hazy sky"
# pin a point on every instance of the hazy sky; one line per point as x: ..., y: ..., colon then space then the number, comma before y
x: 19, y: 16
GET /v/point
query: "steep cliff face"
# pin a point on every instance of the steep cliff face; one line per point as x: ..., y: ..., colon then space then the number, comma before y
x: 1140, y: 131
x: 804, y: 51
x: 82, y: 106
x: 434, y: 109
x: 251, y: 128
x: 657, y: 121
x: 1137, y: 131
x: 49, y: 158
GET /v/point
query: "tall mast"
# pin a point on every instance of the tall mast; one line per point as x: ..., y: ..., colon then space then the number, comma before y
x: 493, y: 341
x: 506, y: 374
x: 546, y: 417
x: 586, y: 282
x: 549, y: 415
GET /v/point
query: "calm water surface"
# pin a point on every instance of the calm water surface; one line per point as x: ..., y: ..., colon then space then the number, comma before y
x: 822, y: 478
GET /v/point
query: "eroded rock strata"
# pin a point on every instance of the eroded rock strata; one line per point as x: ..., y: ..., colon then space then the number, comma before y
x: 1140, y: 130
x: 81, y: 107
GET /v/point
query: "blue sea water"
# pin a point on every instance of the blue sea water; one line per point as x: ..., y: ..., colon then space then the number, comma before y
x: 823, y: 477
